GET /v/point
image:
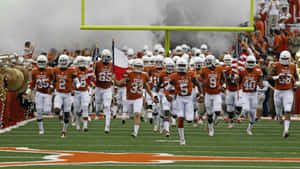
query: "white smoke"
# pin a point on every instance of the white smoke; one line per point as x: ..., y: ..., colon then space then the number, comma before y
x: 56, y: 23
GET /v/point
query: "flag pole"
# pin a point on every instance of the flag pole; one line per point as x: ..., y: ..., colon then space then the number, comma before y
x: 113, y: 62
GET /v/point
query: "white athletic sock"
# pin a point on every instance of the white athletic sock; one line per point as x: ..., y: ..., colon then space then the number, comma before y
x: 156, y: 121
x: 286, y: 125
x: 107, y: 118
x: 149, y: 114
x: 77, y: 120
x: 167, y: 126
x: 85, y: 123
x: 161, y: 124
x: 250, y: 126
x: 40, y: 124
x: 181, y: 133
x: 136, y: 129
x: 210, y: 126
x: 65, y: 127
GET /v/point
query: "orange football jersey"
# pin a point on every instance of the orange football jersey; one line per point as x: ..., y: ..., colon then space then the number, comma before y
x: 41, y: 79
x: 249, y: 80
x: 103, y: 75
x: 82, y: 76
x: 183, y: 83
x: 286, y: 73
x: 135, y: 84
x: 165, y: 80
x: 232, y: 84
x: 64, y: 79
x: 211, y: 79
x: 154, y: 77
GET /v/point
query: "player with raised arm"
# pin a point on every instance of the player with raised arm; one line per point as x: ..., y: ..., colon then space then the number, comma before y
x: 135, y: 81
x: 284, y: 73
x: 64, y: 77
x: 41, y: 79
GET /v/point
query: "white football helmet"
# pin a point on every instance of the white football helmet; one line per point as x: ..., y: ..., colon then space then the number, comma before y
x: 81, y: 61
x: 227, y: 60
x: 161, y: 51
x: 138, y: 66
x: 178, y: 50
x: 146, y: 60
x: 251, y: 61
x: 159, y: 59
x: 145, y: 49
x: 285, y: 58
x: 210, y: 60
x: 197, y: 52
x: 106, y: 56
x: 199, y: 62
x: 170, y: 65
x: 185, y: 48
x: 156, y: 48
x: 130, y: 53
x: 204, y: 48
x: 181, y: 65
x: 42, y: 61
x: 63, y: 61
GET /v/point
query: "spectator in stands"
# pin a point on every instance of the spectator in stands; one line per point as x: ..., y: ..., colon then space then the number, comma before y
x: 263, y: 11
x: 28, y: 50
x: 273, y: 15
x: 277, y: 44
x: 294, y: 10
x: 284, y: 16
x: 294, y: 43
x: 259, y: 24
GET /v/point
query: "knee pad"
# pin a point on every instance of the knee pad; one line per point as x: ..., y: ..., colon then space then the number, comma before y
x: 231, y: 115
x: 39, y: 120
x: 155, y: 113
x: 174, y: 116
x: 167, y: 113
x: 66, y: 117
x: 149, y: 106
x: 238, y: 110
x: 218, y: 113
x: 210, y: 118
x: 189, y: 121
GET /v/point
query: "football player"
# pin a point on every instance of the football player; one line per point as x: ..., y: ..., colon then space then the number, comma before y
x: 64, y: 77
x: 41, y: 78
x: 250, y: 78
x: 284, y: 74
x: 135, y: 81
x: 212, y: 78
x: 103, y: 92
x: 82, y: 98
x: 168, y: 97
x: 182, y: 80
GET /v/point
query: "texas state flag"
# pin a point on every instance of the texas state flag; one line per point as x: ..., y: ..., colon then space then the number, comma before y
x: 120, y: 63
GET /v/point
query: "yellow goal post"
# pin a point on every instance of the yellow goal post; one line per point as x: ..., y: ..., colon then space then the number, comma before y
x: 83, y: 26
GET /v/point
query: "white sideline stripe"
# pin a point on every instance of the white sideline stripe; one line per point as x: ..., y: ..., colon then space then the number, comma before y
x: 168, y: 141
x: 194, y: 166
x: 19, y: 124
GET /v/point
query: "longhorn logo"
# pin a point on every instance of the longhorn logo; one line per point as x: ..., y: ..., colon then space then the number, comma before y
x: 78, y: 157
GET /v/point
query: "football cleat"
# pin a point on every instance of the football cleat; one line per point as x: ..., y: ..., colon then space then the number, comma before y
x: 182, y: 142
x: 249, y: 132
x: 133, y: 135
x: 230, y: 126
x: 41, y: 132
x: 211, y: 133
x: 85, y: 130
x: 285, y: 135
x: 195, y: 125
x: 123, y: 122
x: 77, y: 127
x: 200, y: 122
x: 167, y: 134
x: 96, y: 117
x: 63, y: 134
x: 106, y: 130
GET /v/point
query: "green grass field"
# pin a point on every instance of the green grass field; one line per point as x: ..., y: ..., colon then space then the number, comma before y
x: 266, y: 142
